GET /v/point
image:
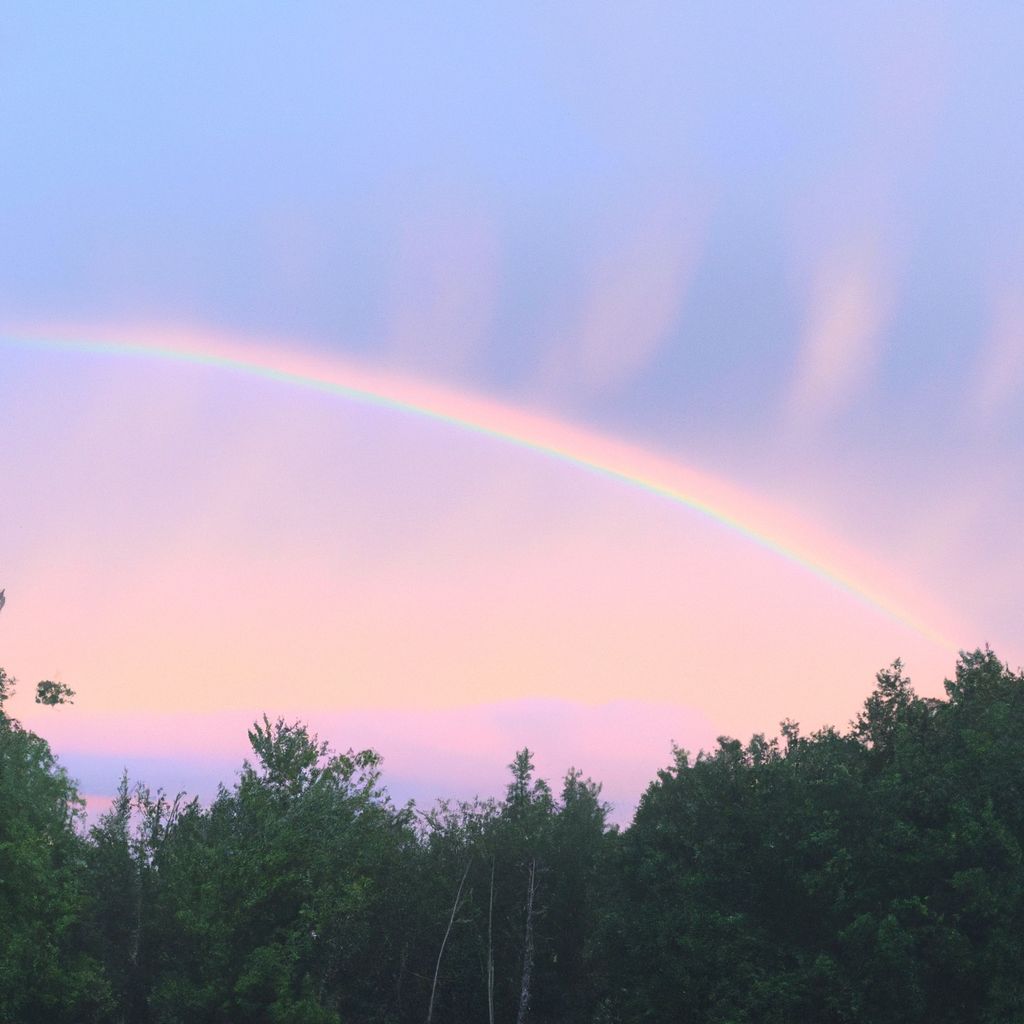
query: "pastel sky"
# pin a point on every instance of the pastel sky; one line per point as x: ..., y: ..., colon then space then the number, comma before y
x: 771, y: 257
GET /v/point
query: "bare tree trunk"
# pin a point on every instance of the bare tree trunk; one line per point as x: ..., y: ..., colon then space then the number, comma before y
x: 524, y: 992
x: 490, y: 951
x: 401, y: 978
x: 444, y: 941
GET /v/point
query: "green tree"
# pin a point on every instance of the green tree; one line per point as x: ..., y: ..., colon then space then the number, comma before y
x: 283, y: 890
x: 45, y: 974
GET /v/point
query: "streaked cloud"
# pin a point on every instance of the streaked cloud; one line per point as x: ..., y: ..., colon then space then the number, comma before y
x: 633, y: 293
x: 1000, y: 375
x: 847, y: 314
x: 445, y: 273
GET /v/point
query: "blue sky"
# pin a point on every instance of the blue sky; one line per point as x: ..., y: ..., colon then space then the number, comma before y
x: 263, y: 168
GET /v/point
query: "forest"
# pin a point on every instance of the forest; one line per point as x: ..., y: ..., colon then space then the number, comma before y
x: 872, y: 873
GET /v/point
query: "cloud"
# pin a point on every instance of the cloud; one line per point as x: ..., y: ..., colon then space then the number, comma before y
x: 854, y: 224
x: 445, y: 279
x: 849, y: 308
x: 1000, y: 376
x: 634, y: 292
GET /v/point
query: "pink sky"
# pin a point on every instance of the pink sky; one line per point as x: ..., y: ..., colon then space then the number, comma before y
x: 197, y: 547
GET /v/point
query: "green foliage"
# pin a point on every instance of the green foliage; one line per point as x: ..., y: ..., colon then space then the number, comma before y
x: 49, y: 692
x: 873, y: 875
x: 46, y: 974
x: 279, y: 891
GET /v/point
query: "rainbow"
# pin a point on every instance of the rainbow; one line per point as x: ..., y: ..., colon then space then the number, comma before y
x: 586, y: 449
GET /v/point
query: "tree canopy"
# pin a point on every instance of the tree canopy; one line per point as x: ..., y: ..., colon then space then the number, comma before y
x: 872, y: 873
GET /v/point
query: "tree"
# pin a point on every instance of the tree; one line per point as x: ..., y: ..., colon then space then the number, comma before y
x: 284, y: 889
x: 45, y: 973
x: 49, y: 692
x: 885, y: 709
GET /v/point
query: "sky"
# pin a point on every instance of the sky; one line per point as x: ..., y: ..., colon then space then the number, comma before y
x: 462, y: 377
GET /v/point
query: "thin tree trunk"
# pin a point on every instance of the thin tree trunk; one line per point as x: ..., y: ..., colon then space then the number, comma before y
x: 524, y: 992
x: 401, y: 978
x: 444, y: 941
x: 490, y: 951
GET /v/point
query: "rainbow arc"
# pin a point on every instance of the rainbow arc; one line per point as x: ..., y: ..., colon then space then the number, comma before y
x: 554, y: 439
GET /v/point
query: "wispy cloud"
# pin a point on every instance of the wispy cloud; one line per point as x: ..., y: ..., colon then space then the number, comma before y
x: 848, y: 310
x: 1000, y: 376
x: 445, y: 276
x: 633, y: 295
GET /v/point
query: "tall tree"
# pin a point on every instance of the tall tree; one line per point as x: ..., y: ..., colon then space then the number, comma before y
x: 45, y: 973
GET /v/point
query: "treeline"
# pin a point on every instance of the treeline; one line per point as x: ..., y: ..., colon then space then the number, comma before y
x: 867, y: 875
